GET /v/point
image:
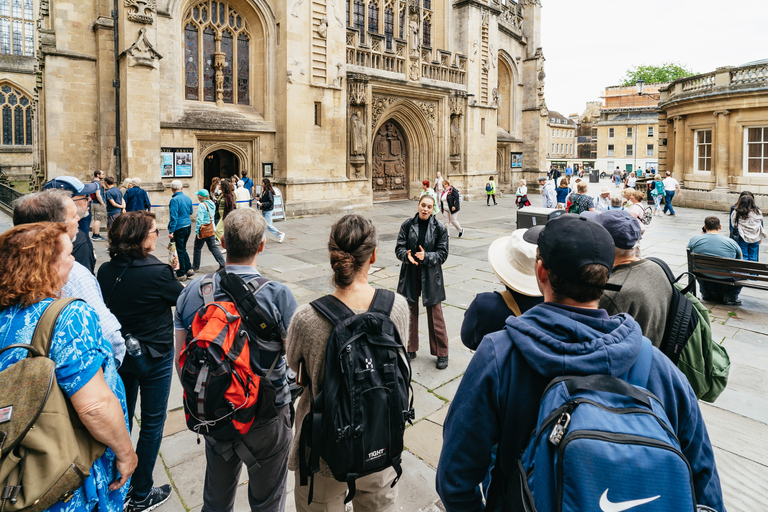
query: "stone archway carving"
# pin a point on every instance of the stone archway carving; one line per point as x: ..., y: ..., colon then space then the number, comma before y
x: 419, y: 140
x: 389, y: 164
x: 241, y: 149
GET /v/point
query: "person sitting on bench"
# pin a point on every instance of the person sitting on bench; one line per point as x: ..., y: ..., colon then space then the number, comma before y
x: 712, y: 243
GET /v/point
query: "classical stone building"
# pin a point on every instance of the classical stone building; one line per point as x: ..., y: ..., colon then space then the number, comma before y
x: 561, y: 140
x: 627, y: 130
x: 340, y: 103
x: 715, y: 132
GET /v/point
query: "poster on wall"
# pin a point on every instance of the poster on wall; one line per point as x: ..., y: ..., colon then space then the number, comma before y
x: 176, y: 162
x: 516, y: 160
x: 167, y: 164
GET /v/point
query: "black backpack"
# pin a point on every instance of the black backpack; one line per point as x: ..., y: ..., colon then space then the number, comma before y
x: 682, y: 319
x: 356, y: 423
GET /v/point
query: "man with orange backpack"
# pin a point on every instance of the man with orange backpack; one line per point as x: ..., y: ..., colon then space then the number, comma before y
x: 230, y: 340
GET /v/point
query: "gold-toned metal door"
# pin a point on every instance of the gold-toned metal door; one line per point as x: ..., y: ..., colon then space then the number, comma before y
x: 390, y: 173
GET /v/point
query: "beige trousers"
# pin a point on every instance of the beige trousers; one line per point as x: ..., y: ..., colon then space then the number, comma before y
x: 373, y: 494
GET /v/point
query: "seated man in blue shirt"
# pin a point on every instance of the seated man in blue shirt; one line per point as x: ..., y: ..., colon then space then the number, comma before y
x: 712, y: 243
x: 498, y: 399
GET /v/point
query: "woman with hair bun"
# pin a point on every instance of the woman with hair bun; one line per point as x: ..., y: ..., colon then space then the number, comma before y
x: 352, y: 249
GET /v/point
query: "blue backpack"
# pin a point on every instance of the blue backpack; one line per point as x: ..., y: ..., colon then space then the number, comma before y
x: 602, y: 443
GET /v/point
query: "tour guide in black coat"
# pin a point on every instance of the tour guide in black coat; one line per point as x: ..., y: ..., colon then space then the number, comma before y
x: 422, y: 247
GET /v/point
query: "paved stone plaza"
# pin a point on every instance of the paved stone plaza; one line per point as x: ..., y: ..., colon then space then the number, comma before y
x: 737, y: 423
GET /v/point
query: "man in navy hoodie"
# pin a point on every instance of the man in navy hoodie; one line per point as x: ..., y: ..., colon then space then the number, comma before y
x: 498, y: 399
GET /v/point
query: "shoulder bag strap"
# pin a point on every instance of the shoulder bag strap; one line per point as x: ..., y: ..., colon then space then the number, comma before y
x: 207, y: 289
x: 43, y: 335
x: 332, y: 309
x: 114, y: 285
x: 511, y: 303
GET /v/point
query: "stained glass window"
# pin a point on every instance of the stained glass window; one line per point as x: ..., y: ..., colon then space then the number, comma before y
x: 358, y: 18
x: 223, y: 30
x: 191, y: 77
x: 228, y: 50
x: 29, y: 126
x: 428, y: 4
x: 7, y: 126
x: 243, y: 97
x: 389, y: 26
x: 401, y: 20
x: 373, y: 17
x: 17, y: 36
x: 209, y: 48
x: 427, y: 30
x: 348, y: 6
x: 17, y: 116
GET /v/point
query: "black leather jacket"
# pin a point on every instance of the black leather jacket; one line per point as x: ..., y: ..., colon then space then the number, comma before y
x: 429, y: 273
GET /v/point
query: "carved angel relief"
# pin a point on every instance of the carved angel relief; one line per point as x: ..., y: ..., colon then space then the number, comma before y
x: 141, y: 11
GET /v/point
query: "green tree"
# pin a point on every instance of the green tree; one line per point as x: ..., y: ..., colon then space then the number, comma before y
x: 667, y: 72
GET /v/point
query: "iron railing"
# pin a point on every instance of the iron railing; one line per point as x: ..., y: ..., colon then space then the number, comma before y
x: 8, y: 195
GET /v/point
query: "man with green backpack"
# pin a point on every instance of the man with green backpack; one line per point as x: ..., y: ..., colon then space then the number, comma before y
x: 670, y: 315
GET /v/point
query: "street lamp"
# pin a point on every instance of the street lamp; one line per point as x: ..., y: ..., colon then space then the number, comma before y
x: 640, y: 84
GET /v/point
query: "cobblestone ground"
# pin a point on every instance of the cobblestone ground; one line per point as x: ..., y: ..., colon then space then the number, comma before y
x: 737, y: 423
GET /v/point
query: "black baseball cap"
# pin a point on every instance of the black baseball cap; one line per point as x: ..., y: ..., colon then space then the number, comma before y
x: 569, y: 242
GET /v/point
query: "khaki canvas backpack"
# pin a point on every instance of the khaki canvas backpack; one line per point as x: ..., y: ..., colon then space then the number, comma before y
x: 46, y: 451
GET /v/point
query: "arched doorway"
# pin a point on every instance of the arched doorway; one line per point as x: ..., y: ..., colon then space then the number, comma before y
x: 390, y: 168
x: 219, y: 164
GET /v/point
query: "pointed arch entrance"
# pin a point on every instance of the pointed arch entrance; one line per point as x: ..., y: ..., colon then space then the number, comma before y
x: 220, y: 164
x: 390, y: 163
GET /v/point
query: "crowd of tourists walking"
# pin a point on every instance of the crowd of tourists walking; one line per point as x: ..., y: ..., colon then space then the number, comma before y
x: 324, y: 389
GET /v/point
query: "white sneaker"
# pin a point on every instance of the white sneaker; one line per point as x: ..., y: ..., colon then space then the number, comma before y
x: 223, y: 251
x: 281, y: 238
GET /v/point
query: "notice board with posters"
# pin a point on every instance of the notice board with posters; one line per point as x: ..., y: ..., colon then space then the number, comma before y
x: 516, y: 160
x: 176, y: 162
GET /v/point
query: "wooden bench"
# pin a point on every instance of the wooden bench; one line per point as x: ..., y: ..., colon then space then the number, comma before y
x: 751, y: 274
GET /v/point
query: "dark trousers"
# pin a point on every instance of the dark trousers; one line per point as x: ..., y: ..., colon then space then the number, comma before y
x: 180, y: 236
x: 438, y: 336
x: 488, y: 198
x: 198, y: 250
x: 718, y: 292
x: 268, y: 446
x: 151, y: 377
x: 668, y: 195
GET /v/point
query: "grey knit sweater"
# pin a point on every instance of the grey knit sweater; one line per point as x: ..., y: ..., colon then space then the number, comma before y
x: 307, y: 338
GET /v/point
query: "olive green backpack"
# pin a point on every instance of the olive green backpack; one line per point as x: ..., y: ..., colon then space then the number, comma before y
x: 46, y: 451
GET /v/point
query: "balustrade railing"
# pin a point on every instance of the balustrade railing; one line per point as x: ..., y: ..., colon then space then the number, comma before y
x: 699, y: 82
x: 748, y: 75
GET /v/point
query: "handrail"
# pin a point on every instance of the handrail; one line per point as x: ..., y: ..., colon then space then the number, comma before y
x: 8, y: 195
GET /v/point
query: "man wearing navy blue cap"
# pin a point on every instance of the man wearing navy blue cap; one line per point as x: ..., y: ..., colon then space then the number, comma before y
x: 82, y: 246
x: 498, y: 399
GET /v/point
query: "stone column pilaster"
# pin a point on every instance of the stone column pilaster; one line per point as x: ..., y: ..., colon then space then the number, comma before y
x: 678, y: 171
x: 721, y: 160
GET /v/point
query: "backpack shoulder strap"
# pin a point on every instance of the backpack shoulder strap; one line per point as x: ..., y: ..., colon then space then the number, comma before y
x: 511, y: 303
x: 382, y: 302
x: 43, y: 335
x: 332, y: 309
x: 672, y: 280
x: 242, y: 294
x: 207, y: 289
x: 664, y: 267
x: 641, y: 370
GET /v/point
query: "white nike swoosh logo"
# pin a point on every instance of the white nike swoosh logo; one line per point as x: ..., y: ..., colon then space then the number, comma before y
x: 607, y: 506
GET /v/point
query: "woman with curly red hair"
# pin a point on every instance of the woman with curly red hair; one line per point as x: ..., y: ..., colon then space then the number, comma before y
x: 35, y: 261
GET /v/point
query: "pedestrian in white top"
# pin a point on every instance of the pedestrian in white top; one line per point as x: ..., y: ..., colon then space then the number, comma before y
x: 603, y: 201
x: 548, y: 195
x: 631, y: 180
x: 242, y: 195
x: 439, y: 184
x: 670, y: 187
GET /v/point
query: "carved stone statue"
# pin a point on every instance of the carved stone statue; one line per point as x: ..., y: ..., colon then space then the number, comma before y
x: 413, y: 26
x: 356, y: 135
x: 322, y: 29
x: 455, y: 136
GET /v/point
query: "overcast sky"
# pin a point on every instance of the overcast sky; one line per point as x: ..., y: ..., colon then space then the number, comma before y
x: 589, y: 44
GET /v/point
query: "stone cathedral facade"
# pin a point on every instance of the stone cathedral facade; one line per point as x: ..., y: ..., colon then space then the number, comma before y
x: 341, y: 103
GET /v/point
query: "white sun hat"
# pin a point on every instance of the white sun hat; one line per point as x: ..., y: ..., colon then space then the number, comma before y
x: 513, y: 260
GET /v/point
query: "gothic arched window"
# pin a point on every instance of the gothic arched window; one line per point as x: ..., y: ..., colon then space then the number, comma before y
x: 17, y: 27
x: 373, y: 17
x: 389, y: 25
x: 358, y: 19
x: 17, y: 117
x: 213, y: 27
x: 427, y: 29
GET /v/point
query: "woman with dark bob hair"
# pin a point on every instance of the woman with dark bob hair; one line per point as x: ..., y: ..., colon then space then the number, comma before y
x: 352, y: 249
x: 141, y: 290
x: 35, y: 261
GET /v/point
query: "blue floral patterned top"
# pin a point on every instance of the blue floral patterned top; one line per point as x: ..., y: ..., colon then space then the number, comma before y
x: 79, y: 350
